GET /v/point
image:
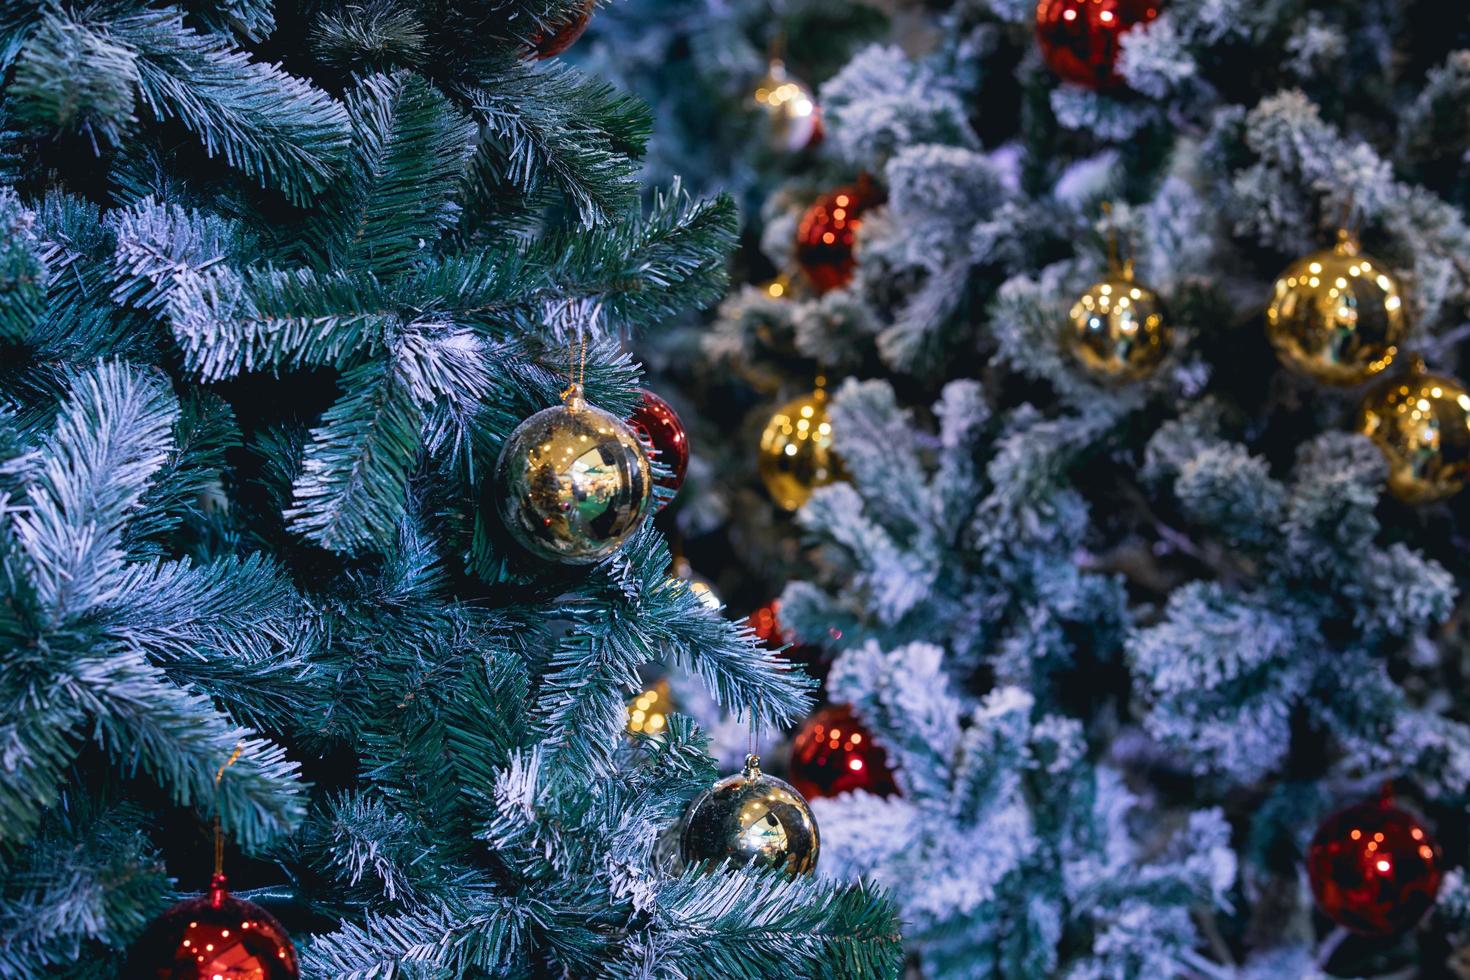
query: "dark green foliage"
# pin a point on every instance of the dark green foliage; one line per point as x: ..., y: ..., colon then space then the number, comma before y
x: 263, y: 330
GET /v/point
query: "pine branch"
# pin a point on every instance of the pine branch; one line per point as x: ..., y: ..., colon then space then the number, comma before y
x: 372, y: 36
x: 670, y: 262
x: 405, y: 173
x: 233, y: 628
x: 749, y: 925
x: 251, y: 20
x: 148, y: 724
x: 204, y: 433
x: 228, y: 323
x: 81, y: 324
x: 23, y: 271
x: 71, y: 76
x: 91, y: 875
x: 159, y: 244
x: 16, y: 21
x: 549, y: 125
x: 111, y: 436
x: 457, y: 939
x: 659, y: 614
x: 353, y: 486
x: 272, y: 126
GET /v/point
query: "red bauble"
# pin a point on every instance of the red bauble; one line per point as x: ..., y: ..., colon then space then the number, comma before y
x: 564, y: 35
x: 658, y: 424
x: 213, y: 937
x: 1374, y: 869
x: 833, y: 753
x: 1079, y: 38
x: 828, y: 232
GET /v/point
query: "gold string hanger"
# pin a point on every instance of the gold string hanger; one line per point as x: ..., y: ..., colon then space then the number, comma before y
x: 1345, y: 222
x: 576, y: 368
x: 219, y: 837
x: 1116, y: 263
x: 1347, y: 231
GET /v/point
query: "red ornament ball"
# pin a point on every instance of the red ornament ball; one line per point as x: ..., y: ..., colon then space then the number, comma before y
x: 1374, y: 869
x: 1079, y: 38
x: 562, y: 36
x: 213, y: 937
x: 827, y: 235
x: 659, y: 426
x: 833, y: 753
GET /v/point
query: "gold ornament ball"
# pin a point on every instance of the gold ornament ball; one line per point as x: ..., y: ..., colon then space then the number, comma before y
x: 648, y: 713
x: 752, y: 818
x: 1421, y: 422
x: 796, y: 450
x: 791, y: 117
x: 1116, y: 331
x: 1337, y: 315
x: 572, y: 482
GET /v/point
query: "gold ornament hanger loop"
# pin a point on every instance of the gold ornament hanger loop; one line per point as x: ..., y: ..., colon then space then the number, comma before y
x: 576, y: 371
x: 219, y: 837
x: 1347, y: 242
x: 1123, y: 267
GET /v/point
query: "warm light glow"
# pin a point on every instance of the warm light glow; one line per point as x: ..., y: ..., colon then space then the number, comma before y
x: 1384, y: 866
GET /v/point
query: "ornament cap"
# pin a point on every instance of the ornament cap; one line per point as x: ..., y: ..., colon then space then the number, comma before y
x: 1416, y: 367
x: 1347, y: 243
x: 752, y: 768
x: 573, y: 397
x: 219, y: 889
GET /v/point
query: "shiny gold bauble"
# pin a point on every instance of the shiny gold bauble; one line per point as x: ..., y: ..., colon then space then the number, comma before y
x: 1117, y: 331
x: 796, y: 450
x: 1421, y: 422
x: 790, y: 110
x: 572, y: 482
x: 1337, y: 315
x: 752, y: 818
x: 649, y: 712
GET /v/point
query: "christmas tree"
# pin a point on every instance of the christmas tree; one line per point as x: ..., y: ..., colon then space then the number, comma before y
x: 1146, y: 551
x: 278, y: 282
